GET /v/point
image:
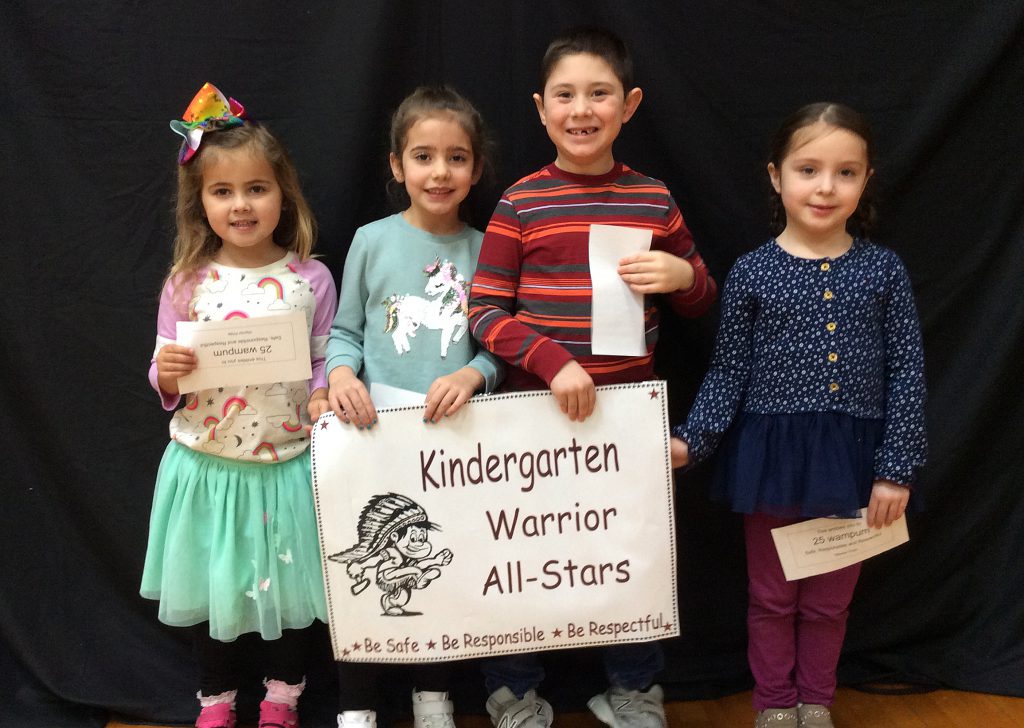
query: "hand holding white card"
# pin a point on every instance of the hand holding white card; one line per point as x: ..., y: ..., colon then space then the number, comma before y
x: 617, y: 313
x: 246, y: 351
x: 821, y: 545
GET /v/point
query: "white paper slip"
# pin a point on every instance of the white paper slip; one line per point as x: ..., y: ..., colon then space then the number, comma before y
x: 384, y: 395
x: 826, y: 544
x: 617, y: 315
x: 246, y: 351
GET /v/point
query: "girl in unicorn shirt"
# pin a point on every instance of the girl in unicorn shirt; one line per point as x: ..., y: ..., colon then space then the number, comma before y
x: 402, y: 318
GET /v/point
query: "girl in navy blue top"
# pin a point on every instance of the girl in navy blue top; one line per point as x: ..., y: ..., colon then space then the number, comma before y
x: 816, y: 394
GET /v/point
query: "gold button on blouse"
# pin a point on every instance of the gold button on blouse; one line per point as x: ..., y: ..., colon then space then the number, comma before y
x: 833, y: 357
x: 828, y: 295
x: 831, y: 326
x: 833, y: 387
x: 825, y: 266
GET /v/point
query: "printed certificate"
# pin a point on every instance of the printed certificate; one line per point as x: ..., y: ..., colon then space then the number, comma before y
x: 246, y: 351
x: 505, y: 528
x: 826, y: 544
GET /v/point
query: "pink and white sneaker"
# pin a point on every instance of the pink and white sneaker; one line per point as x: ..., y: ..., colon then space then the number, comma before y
x: 220, y: 715
x: 278, y: 715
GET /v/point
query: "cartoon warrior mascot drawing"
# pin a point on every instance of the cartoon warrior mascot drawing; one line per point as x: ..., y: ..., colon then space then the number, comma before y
x: 393, y: 538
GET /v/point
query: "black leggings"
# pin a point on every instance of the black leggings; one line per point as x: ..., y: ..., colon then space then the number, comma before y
x: 357, y: 682
x: 221, y: 663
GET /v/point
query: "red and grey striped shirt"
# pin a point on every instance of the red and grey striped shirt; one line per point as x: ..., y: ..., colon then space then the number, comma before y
x: 531, y: 297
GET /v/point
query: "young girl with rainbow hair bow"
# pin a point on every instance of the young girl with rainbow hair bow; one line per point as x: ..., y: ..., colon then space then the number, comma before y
x: 233, y: 552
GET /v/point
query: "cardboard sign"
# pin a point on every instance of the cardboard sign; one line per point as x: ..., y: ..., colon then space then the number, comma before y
x: 505, y: 528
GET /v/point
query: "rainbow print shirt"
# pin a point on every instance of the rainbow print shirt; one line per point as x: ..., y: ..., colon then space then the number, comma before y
x: 261, y: 422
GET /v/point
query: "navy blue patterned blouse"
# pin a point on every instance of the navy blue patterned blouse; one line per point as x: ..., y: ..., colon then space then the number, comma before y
x: 801, y: 335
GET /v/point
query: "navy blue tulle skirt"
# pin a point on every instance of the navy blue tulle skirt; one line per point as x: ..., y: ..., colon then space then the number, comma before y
x: 811, y: 464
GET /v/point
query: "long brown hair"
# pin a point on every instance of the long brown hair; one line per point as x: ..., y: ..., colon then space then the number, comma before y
x: 195, y: 243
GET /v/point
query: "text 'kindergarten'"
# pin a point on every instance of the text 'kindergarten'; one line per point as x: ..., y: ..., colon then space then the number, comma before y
x: 440, y: 470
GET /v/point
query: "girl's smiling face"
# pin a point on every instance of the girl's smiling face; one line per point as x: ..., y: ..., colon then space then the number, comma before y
x: 438, y: 169
x: 242, y: 202
x: 820, y: 181
x: 583, y: 109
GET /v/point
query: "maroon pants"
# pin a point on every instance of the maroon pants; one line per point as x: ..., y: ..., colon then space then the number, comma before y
x: 795, y: 628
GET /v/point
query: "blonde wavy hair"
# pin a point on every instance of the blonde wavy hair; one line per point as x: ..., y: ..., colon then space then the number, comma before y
x: 195, y: 243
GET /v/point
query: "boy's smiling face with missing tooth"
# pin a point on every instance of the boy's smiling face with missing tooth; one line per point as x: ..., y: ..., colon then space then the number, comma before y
x: 583, y: 109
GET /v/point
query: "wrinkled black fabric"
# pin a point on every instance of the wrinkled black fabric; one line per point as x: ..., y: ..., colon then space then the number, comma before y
x: 87, y: 176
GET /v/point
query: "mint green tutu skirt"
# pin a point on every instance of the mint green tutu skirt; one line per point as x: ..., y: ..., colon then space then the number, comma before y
x: 235, y: 544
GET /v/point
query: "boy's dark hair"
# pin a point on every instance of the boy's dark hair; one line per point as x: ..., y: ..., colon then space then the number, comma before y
x: 862, y: 221
x: 596, y: 41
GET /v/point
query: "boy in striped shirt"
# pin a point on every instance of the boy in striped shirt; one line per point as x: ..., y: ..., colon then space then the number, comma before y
x: 531, y: 305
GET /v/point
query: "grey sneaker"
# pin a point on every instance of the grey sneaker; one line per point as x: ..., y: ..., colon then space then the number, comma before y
x: 777, y: 718
x: 432, y: 710
x: 508, y: 711
x: 620, y: 708
x: 814, y: 716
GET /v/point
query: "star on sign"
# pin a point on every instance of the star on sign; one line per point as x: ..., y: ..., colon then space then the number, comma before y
x: 557, y: 633
x: 355, y: 647
x: 431, y: 645
x: 653, y: 393
x: 323, y: 425
x: 667, y: 627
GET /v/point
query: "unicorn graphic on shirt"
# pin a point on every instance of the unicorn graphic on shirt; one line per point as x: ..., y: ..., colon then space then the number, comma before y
x: 446, y: 310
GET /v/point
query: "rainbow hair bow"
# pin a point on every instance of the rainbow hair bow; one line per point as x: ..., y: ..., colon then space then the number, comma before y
x: 210, y: 110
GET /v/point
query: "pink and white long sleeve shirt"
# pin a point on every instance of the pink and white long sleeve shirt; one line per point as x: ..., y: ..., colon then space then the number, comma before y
x: 256, y: 422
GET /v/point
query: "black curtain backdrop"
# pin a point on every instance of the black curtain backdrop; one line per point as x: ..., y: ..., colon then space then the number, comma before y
x: 86, y: 180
